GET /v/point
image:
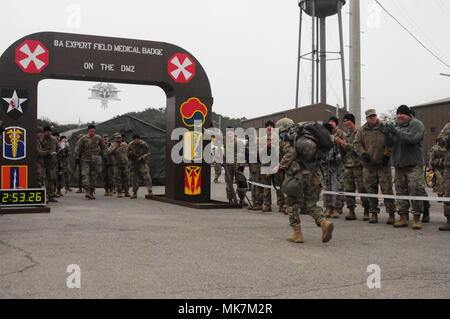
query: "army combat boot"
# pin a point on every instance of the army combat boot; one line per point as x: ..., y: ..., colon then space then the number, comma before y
x: 416, y: 222
x: 374, y: 218
x: 426, y: 213
x: 391, y: 219
x: 92, y: 193
x: 403, y: 222
x: 134, y: 196
x: 89, y: 194
x: 297, y: 236
x: 119, y: 194
x: 366, y: 215
x: 336, y: 213
x: 327, y: 229
x: 328, y: 212
x: 351, y: 214
x: 266, y: 209
x: 149, y: 195
x: 446, y: 226
x: 256, y: 207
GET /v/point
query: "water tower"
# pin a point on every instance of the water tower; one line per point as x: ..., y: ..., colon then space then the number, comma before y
x: 319, y: 10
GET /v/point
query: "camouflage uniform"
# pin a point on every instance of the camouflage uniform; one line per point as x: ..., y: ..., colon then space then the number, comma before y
x: 436, y: 163
x: 107, y: 171
x: 445, y: 137
x: 138, y: 155
x: 87, y: 150
x: 78, y: 167
x: 332, y: 177
x: 50, y: 146
x: 63, y: 166
x: 408, y: 161
x: 119, y: 154
x: 256, y: 191
x: 372, y: 140
x: 353, y: 176
x: 40, y: 163
x: 231, y: 168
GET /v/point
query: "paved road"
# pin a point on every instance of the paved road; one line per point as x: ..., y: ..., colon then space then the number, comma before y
x: 148, y: 249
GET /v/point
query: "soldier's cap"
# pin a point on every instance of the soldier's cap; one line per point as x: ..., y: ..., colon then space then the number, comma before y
x: 91, y: 126
x: 135, y: 136
x: 117, y: 135
x: 40, y: 129
x: 105, y: 135
x: 371, y: 112
x: 47, y: 129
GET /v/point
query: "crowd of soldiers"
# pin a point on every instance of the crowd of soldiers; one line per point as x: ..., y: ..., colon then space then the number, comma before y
x: 116, y: 161
x: 361, y: 161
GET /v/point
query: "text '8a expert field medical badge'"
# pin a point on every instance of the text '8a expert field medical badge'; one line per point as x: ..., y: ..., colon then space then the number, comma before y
x: 14, y: 102
x: 14, y: 143
x: 192, y: 180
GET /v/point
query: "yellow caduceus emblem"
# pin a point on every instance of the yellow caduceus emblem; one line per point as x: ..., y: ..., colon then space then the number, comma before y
x: 14, y: 137
x: 193, y: 146
x: 14, y: 143
x: 192, y: 180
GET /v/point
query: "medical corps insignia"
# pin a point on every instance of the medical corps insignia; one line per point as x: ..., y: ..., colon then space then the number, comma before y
x: 14, y: 177
x: 192, y: 180
x: 14, y: 102
x: 14, y: 143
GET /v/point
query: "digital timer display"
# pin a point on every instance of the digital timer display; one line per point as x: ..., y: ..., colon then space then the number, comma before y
x: 22, y: 197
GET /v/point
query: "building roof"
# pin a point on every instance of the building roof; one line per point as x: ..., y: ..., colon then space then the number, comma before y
x: 442, y: 101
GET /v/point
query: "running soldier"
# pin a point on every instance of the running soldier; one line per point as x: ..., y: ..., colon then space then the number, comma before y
x: 119, y: 153
x: 301, y: 184
x: 88, y: 148
x: 50, y: 146
x: 138, y: 153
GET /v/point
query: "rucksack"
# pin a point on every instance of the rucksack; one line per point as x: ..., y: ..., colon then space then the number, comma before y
x: 315, y: 132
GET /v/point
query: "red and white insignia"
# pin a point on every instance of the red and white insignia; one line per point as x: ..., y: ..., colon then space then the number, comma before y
x: 181, y: 68
x: 32, y: 56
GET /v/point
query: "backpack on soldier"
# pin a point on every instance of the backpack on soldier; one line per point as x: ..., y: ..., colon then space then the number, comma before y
x: 315, y: 132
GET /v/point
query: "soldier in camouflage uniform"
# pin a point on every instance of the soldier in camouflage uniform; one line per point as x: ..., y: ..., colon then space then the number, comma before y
x: 436, y: 163
x: 107, y: 169
x: 266, y: 145
x: 41, y: 154
x: 138, y: 153
x: 63, y: 165
x: 332, y: 168
x: 50, y: 146
x: 444, y: 136
x: 77, y: 168
x: 254, y: 167
x: 231, y: 168
x: 408, y: 159
x: 88, y: 148
x: 301, y: 184
x: 373, y: 147
x: 353, y: 177
x: 337, y: 132
x: 119, y: 153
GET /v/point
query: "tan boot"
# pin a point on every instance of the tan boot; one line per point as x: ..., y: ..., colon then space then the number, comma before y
x: 446, y: 226
x: 89, y: 194
x: 351, y: 214
x: 336, y: 213
x: 328, y: 212
x: 266, y: 209
x: 92, y: 193
x: 297, y: 236
x: 366, y: 216
x: 119, y: 194
x: 416, y: 222
x: 327, y: 230
x: 391, y: 219
x: 403, y: 222
x: 257, y: 207
x: 374, y: 218
x: 134, y: 196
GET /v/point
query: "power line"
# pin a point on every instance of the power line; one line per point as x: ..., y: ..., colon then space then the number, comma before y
x: 411, y: 34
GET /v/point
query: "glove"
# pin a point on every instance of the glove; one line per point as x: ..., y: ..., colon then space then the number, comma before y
x: 366, y: 158
x: 386, y: 160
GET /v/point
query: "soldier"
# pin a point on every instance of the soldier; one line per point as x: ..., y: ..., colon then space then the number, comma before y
x: 254, y: 168
x: 119, y: 152
x: 371, y: 145
x: 408, y: 159
x: 77, y: 169
x: 436, y: 163
x: 107, y: 169
x: 337, y: 132
x: 138, y: 153
x: 353, y: 177
x: 444, y: 136
x: 217, y: 166
x: 63, y: 165
x: 266, y: 143
x: 87, y: 151
x: 41, y: 154
x: 50, y: 146
x: 332, y: 171
x: 126, y: 186
x: 301, y: 184
x: 231, y: 168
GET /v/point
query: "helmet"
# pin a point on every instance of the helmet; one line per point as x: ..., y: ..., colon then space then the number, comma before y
x: 284, y: 124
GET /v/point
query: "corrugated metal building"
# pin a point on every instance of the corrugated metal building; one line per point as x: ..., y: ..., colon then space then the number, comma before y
x: 316, y: 112
x: 434, y: 116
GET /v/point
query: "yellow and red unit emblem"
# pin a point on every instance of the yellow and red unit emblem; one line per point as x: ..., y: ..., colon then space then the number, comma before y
x: 192, y: 180
x: 193, y: 112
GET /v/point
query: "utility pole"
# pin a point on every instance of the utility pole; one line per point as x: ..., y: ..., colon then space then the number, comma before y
x: 355, y: 60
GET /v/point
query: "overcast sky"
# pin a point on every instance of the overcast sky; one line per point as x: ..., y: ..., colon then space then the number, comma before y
x: 248, y: 49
